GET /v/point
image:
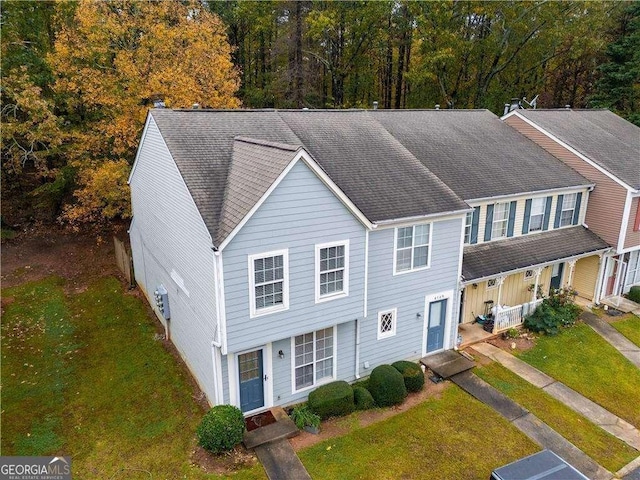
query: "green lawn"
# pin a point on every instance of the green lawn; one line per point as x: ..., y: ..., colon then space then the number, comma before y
x: 83, y: 376
x: 582, y: 360
x: 629, y: 326
x: 607, y: 450
x: 452, y: 437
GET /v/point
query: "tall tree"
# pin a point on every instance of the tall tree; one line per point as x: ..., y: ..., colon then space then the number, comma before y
x: 109, y: 62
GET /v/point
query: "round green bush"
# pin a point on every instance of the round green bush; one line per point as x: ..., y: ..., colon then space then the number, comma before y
x: 387, y: 386
x: 332, y: 400
x: 362, y: 398
x: 221, y: 429
x: 634, y: 294
x: 412, y: 375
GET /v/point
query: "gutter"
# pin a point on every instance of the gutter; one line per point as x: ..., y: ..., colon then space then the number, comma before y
x: 589, y: 186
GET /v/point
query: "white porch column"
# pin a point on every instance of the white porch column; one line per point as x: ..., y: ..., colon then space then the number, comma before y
x: 597, y: 294
x: 572, y: 266
x: 500, y: 281
x: 534, y: 295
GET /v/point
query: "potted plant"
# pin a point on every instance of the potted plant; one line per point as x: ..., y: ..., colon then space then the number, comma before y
x: 305, y: 419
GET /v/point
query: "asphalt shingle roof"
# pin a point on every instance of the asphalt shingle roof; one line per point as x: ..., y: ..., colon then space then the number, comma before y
x: 493, y: 258
x: 600, y: 135
x: 255, y: 165
x: 475, y: 153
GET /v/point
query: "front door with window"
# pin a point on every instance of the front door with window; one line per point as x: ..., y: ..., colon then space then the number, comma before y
x: 435, y: 327
x: 251, y: 376
x: 556, y: 277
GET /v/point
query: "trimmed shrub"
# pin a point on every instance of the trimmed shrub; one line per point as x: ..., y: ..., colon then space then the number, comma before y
x: 387, y: 386
x: 412, y: 375
x: 363, y: 399
x: 634, y: 294
x: 221, y: 429
x: 332, y: 400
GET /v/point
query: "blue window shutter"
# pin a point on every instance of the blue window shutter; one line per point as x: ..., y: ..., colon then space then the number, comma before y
x: 475, y: 219
x: 556, y: 222
x: 488, y: 224
x: 527, y: 216
x: 512, y: 218
x: 547, y: 213
x: 576, y: 212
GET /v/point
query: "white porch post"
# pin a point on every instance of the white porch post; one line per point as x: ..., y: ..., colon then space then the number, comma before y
x: 600, y: 281
x: 572, y: 266
x: 500, y: 281
x: 534, y: 296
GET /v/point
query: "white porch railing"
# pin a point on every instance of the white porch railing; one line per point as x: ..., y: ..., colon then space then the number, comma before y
x: 513, y: 316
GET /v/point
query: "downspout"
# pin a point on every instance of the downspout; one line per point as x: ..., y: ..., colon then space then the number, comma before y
x: 216, y: 380
x: 357, y: 365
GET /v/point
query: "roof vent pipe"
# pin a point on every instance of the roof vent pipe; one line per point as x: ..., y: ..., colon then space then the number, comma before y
x: 375, y: 105
x: 437, y: 106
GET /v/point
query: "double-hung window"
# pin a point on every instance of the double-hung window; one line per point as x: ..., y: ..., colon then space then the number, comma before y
x: 332, y: 270
x: 413, y: 246
x: 568, y: 207
x: 536, y: 217
x: 314, y: 360
x: 467, y: 228
x: 269, y: 282
x: 500, y: 220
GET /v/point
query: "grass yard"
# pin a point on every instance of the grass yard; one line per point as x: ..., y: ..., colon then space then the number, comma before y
x: 83, y: 376
x: 582, y: 360
x: 604, y: 448
x: 629, y: 326
x: 454, y: 436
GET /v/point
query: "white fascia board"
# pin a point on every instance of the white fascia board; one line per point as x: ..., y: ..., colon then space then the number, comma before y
x: 144, y: 134
x: 312, y: 164
x: 625, y: 222
x: 398, y: 222
x: 571, y: 149
x: 537, y: 265
x: 567, y: 190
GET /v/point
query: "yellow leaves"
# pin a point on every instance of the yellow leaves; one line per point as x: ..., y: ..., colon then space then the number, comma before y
x: 112, y: 60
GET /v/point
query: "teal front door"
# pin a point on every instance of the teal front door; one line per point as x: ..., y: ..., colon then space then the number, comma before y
x: 435, y: 327
x: 251, y: 375
x: 556, y: 276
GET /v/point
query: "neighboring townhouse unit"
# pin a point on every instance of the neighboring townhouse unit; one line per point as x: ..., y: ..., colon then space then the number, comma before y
x: 295, y: 248
x: 605, y: 149
x: 525, y: 234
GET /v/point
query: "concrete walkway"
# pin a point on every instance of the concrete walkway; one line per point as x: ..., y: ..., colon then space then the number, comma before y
x: 621, y: 343
x: 530, y: 425
x: 572, y: 399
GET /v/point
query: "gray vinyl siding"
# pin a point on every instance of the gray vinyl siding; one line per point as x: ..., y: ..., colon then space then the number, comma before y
x: 300, y: 213
x: 407, y: 293
x: 168, y: 234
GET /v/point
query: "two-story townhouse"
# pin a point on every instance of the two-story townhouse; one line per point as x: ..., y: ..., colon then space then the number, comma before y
x: 604, y: 148
x: 295, y: 247
x: 526, y: 233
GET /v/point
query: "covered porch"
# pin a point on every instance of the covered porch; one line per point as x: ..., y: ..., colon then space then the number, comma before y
x: 507, y: 280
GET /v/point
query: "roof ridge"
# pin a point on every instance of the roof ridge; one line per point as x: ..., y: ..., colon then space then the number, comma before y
x: 267, y: 143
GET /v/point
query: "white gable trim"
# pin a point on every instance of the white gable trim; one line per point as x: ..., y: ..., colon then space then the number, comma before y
x: 571, y: 149
x: 306, y: 158
x: 144, y: 134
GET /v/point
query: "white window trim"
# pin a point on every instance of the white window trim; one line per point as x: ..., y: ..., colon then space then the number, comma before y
x: 531, y: 214
x: 490, y: 287
x: 528, y: 279
x: 394, y: 312
x: 253, y: 313
x: 468, y: 218
x: 572, y: 209
x: 505, y: 221
x: 293, y: 361
x: 345, y: 279
x: 395, y: 249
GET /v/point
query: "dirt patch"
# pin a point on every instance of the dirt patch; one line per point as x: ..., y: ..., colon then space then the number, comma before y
x: 78, y: 258
x: 336, y: 427
x: 225, y: 463
x: 525, y: 341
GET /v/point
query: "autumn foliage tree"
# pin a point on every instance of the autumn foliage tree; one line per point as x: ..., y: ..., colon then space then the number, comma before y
x: 108, y: 63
